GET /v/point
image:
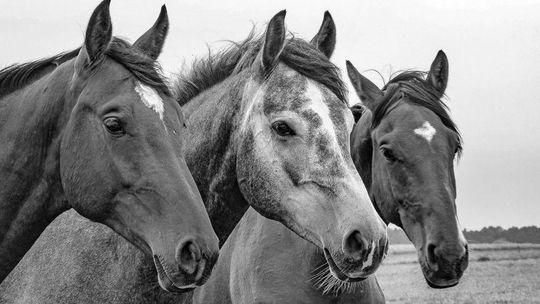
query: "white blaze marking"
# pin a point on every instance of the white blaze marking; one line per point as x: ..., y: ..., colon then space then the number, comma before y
x: 352, y: 180
x: 426, y: 131
x: 315, y: 95
x: 256, y: 100
x: 150, y: 98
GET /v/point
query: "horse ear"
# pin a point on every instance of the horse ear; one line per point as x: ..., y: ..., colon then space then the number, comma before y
x: 274, y: 41
x: 367, y: 91
x: 98, y: 35
x: 151, y: 42
x: 325, y: 39
x: 438, y: 73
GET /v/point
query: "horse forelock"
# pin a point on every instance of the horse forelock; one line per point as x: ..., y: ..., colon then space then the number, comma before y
x: 411, y: 87
x: 143, y: 68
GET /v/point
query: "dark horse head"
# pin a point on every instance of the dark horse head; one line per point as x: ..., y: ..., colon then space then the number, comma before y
x: 278, y: 106
x: 102, y: 134
x: 404, y: 146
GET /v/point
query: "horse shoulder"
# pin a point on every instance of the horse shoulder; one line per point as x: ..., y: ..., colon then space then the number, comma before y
x: 76, y: 260
x: 262, y: 262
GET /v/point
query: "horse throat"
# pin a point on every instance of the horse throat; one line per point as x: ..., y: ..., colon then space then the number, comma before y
x: 213, y: 120
x: 31, y: 193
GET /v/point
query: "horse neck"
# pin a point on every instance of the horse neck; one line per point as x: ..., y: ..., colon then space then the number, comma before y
x: 213, y: 117
x: 362, y: 147
x: 31, y: 196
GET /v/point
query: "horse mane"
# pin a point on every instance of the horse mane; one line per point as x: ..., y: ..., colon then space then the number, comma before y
x: 411, y: 86
x: 298, y: 54
x: 17, y: 76
x: 146, y: 70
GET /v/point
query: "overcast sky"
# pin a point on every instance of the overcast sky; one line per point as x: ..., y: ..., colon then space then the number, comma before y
x: 493, y: 48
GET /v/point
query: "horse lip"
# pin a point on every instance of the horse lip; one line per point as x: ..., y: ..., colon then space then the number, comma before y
x: 164, y: 280
x: 437, y: 284
x: 441, y: 285
x: 337, y: 272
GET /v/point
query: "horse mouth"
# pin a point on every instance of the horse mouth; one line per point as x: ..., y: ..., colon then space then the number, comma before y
x: 441, y: 285
x: 337, y: 272
x: 433, y: 282
x: 165, y: 281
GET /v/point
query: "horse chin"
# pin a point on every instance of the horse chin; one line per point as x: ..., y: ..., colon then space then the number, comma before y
x: 435, y: 282
x: 337, y: 272
x: 442, y: 284
x: 165, y: 282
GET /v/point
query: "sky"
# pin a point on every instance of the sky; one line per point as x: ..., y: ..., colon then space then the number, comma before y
x: 493, y: 48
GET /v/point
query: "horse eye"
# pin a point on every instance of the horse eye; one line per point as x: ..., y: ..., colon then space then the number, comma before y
x: 388, y: 154
x: 114, y: 126
x: 282, y: 128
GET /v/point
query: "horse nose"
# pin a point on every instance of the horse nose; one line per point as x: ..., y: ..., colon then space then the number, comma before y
x: 359, y: 249
x: 432, y: 257
x: 355, y: 245
x: 194, y: 257
x: 188, y: 256
x: 440, y: 257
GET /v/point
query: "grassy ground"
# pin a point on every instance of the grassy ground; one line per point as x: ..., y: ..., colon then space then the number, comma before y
x: 504, y: 273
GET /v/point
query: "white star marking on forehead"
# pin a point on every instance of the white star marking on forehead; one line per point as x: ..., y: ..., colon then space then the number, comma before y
x: 426, y: 131
x: 150, y: 98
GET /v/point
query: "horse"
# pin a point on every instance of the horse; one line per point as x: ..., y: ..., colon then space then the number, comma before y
x: 269, y: 128
x: 403, y: 145
x: 97, y: 130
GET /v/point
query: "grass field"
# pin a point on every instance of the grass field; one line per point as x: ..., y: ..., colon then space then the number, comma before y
x: 497, y: 273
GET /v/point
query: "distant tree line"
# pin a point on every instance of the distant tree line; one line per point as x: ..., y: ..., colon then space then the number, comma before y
x: 528, y: 234
x: 491, y: 234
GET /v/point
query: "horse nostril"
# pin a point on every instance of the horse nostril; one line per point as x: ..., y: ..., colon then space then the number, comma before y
x: 188, y: 255
x: 195, y: 252
x: 432, y: 257
x: 355, y: 245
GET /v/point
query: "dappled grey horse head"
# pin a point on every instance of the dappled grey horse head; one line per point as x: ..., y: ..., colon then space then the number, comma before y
x: 294, y: 162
